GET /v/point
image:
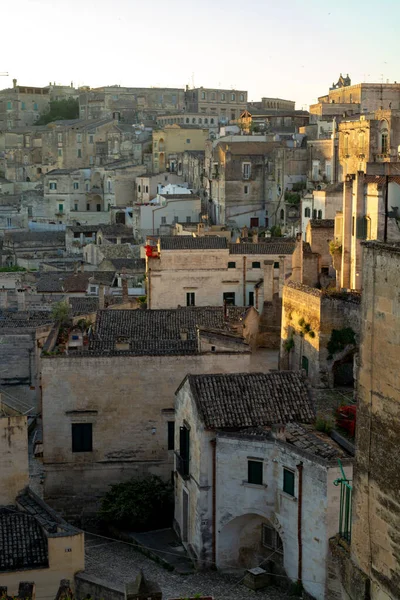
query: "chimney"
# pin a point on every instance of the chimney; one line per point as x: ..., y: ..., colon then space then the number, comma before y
x: 26, y: 590
x: 101, y: 296
x: 278, y: 432
x: 14, y: 83
x: 21, y: 299
x: 184, y: 335
x: 3, y: 300
x: 124, y: 282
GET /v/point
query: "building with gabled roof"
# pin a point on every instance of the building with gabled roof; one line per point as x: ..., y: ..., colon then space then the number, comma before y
x: 120, y: 394
x: 254, y: 479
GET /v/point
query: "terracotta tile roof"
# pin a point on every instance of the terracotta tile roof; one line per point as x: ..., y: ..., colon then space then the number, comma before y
x: 188, y: 242
x: 158, y: 332
x: 273, y: 247
x: 381, y: 179
x: 116, y: 230
x: 25, y: 319
x: 23, y: 543
x: 83, y: 306
x: 130, y: 264
x: 251, y: 399
x: 55, y: 238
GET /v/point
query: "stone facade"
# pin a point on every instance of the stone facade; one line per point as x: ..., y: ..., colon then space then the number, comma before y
x: 13, y: 458
x: 199, y: 271
x: 173, y: 140
x: 308, y: 317
x: 226, y: 105
x: 129, y: 410
x: 221, y: 516
x: 374, y: 542
x: 21, y: 106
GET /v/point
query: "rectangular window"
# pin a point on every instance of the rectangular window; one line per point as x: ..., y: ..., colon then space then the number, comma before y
x: 75, y: 206
x: 87, y: 206
x: 229, y: 298
x: 76, y: 185
x: 82, y: 437
x: 90, y: 139
x: 246, y: 170
x: 79, y: 138
x: 190, y: 299
x: 255, y: 472
x: 256, y: 265
x: 251, y: 298
x: 188, y: 141
x: 184, y: 451
x: 79, y: 153
x: 223, y: 97
x: 288, y: 482
x: 60, y: 152
x: 304, y: 363
x: 98, y: 207
x: 35, y: 106
x: 59, y: 137
x: 9, y: 105
x: 60, y: 208
x: 23, y: 106
x: 52, y: 185
x: 276, y: 265
x: 188, y: 219
x: 8, y: 221
x: 163, y: 220
x: 171, y: 435
x: 271, y: 538
x: 246, y: 189
x: 231, y: 265
x: 176, y: 219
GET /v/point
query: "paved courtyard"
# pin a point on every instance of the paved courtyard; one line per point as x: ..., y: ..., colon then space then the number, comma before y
x: 117, y: 563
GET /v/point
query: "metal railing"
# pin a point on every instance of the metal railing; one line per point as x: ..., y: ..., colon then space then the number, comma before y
x: 345, y: 511
x: 182, y: 465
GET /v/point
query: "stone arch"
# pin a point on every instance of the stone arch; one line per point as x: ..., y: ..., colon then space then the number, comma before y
x: 241, y: 544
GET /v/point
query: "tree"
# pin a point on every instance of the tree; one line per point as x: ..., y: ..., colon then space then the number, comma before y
x: 140, y: 504
x: 61, y: 312
x: 59, y: 110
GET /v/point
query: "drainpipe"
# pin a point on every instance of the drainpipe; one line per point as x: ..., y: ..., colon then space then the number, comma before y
x: 299, y: 532
x: 244, y: 280
x: 149, y: 288
x: 214, y: 501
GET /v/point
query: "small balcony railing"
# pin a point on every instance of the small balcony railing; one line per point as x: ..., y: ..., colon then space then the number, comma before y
x: 345, y: 511
x: 182, y: 465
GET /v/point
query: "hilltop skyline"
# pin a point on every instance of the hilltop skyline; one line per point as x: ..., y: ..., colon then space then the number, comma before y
x: 294, y: 51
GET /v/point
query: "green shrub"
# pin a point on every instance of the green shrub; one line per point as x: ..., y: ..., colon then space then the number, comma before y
x: 340, y: 338
x: 324, y: 425
x: 140, y: 504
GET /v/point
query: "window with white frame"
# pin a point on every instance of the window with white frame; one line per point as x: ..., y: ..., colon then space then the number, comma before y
x: 52, y: 185
x: 246, y: 170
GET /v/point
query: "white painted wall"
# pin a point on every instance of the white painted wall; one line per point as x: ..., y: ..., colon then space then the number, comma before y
x: 151, y: 216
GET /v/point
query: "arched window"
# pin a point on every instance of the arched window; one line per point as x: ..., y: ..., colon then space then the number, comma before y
x: 212, y: 121
x: 384, y: 142
x: 233, y: 97
x: 346, y: 144
x: 320, y: 214
x: 314, y: 213
x: 206, y: 121
x: 187, y: 120
x: 193, y: 119
x: 307, y: 212
x: 361, y: 142
x: 282, y: 214
x: 200, y: 120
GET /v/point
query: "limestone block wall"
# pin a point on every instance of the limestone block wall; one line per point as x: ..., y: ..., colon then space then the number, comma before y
x: 14, y: 475
x: 375, y: 543
x: 125, y: 399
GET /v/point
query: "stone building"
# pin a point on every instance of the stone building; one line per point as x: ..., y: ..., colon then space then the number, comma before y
x: 365, y: 553
x: 373, y: 138
x: 321, y: 204
x: 226, y: 105
x: 28, y: 248
x: 356, y: 99
x: 130, y: 104
x: 22, y: 335
x: 208, y: 271
x: 36, y: 544
x: 371, y: 205
x: 106, y: 415
x: 148, y: 185
x: 164, y: 210
x: 253, y: 480
x: 21, y: 105
x: 173, y: 140
x: 309, y: 316
x: 263, y: 119
x: 247, y: 177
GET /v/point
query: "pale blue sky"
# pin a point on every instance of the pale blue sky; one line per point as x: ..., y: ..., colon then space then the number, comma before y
x: 291, y: 49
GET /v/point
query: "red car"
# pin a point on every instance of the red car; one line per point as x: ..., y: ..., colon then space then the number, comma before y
x: 346, y: 418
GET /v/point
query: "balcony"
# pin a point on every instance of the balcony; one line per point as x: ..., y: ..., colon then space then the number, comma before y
x: 182, y: 465
x: 345, y: 511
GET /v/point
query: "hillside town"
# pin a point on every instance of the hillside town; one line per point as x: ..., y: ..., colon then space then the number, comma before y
x: 199, y: 341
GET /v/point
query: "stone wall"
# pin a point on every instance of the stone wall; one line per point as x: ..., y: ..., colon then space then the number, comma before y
x: 375, y: 545
x: 89, y: 586
x: 129, y: 409
x: 14, y: 474
x: 321, y: 312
